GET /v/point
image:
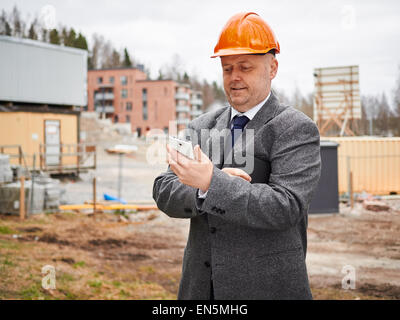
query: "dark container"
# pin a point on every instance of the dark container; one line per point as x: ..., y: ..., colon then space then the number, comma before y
x: 326, y: 197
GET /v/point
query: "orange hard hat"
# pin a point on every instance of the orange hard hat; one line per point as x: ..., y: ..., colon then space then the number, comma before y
x: 245, y: 33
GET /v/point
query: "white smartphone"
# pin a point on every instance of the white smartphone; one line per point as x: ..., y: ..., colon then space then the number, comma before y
x: 182, y: 146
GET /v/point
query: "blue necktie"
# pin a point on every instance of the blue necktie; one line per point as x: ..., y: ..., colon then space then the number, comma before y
x: 238, y: 123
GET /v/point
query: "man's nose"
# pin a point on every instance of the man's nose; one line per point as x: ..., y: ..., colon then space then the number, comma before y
x: 236, y: 75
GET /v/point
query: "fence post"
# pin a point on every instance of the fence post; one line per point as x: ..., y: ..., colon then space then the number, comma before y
x: 348, y: 163
x: 351, y: 191
x: 22, y: 199
x: 94, y: 195
x: 19, y: 155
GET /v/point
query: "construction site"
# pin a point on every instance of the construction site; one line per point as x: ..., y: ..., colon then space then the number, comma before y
x: 77, y: 216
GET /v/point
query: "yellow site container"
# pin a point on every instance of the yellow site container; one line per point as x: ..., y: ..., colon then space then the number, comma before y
x: 27, y: 129
x: 373, y: 161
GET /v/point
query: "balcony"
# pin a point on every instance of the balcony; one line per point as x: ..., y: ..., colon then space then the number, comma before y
x: 106, y: 85
x: 182, y: 96
x: 182, y: 121
x: 196, y: 102
x: 196, y: 113
x: 182, y: 109
x: 104, y: 96
x: 105, y: 109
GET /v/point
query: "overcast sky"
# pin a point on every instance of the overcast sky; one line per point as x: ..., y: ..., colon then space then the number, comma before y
x: 311, y: 34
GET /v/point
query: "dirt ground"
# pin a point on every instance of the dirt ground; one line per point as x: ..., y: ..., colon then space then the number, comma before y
x: 139, y: 256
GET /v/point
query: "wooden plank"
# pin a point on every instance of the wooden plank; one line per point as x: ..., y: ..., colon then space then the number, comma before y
x: 116, y: 206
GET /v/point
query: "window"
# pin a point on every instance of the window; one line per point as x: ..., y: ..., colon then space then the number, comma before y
x: 124, y: 80
x: 100, y: 80
x: 111, y: 79
x: 128, y: 119
x: 145, y: 115
x: 128, y: 106
x: 144, y: 94
x: 115, y: 119
x: 124, y: 93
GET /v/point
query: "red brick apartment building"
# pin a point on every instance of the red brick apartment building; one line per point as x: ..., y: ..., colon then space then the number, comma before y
x: 126, y: 96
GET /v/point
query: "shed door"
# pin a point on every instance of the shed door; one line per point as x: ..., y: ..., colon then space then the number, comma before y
x: 52, y: 141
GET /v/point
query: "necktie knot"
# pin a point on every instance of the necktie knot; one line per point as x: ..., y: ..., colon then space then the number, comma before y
x: 239, y: 122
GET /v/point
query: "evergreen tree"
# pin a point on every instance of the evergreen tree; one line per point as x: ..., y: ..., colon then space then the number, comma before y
x: 127, y: 60
x: 71, y: 38
x: 80, y: 42
x: 5, y: 28
x: 8, y: 30
x: 186, y: 78
x: 32, y: 31
x: 54, y: 38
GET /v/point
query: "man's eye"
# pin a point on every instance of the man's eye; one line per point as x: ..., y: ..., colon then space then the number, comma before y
x: 227, y: 69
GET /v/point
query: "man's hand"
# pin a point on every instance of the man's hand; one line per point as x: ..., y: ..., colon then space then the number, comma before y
x: 195, y: 173
x: 237, y: 172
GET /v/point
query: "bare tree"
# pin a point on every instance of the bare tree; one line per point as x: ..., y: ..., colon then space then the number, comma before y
x: 175, y: 69
x: 396, y: 93
x: 115, y: 59
x: 106, y: 55
x: 283, y: 98
x: 384, y: 114
x: 17, y: 23
x: 395, y: 120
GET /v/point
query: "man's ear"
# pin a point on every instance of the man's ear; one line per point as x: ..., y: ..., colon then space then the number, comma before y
x: 273, y: 68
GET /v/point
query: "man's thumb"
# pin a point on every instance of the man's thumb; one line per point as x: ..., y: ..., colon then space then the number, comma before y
x: 197, y: 152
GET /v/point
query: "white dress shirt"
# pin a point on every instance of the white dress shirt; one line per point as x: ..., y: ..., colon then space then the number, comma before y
x: 249, y: 114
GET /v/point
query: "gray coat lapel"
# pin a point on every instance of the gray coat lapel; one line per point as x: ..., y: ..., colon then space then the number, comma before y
x: 219, y: 133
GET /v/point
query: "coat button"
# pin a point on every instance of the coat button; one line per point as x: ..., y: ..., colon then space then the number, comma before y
x: 207, y: 264
x: 213, y: 229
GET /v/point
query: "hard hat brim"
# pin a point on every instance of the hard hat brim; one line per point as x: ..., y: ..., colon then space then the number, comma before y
x: 238, y: 51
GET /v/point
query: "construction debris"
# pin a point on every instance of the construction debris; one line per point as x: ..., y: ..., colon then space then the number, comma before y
x: 375, y: 205
x: 40, y: 195
x: 10, y: 197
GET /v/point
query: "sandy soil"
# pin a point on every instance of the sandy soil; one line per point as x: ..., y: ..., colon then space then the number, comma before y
x: 139, y: 256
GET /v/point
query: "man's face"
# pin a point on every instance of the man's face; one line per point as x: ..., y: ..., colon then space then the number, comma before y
x: 247, y: 79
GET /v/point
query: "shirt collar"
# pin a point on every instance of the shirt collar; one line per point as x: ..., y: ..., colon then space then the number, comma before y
x: 252, y: 112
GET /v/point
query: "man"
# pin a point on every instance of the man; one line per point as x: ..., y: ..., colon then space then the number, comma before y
x: 247, y: 236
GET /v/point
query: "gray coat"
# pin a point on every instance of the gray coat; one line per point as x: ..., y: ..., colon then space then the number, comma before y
x: 249, y: 238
